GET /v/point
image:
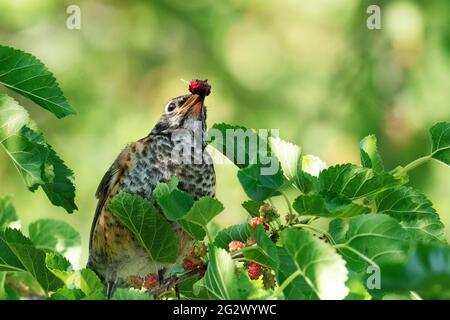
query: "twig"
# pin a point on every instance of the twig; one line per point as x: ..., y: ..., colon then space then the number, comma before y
x: 172, y: 282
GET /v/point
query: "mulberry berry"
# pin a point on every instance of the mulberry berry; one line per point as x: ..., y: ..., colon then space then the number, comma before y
x: 236, y: 245
x: 254, y: 270
x: 151, y: 280
x: 200, y: 87
x: 135, y: 282
x: 255, y: 221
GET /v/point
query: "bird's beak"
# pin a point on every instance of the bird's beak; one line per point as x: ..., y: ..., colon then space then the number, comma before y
x: 193, y: 104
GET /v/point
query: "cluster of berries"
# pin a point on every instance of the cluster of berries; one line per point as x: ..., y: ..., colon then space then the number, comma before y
x: 191, y: 262
x: 255, y: 270
x: 149, y: 281
x: 194, y: 259
x: 268, y: 213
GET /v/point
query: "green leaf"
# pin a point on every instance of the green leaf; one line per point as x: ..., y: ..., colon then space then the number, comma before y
x: 150, y: 227
x: 12, y: 293
x: 264, y: 252
x: 220, y: 277
x: 36, y: 161
x: 297, y: 289
x: 329, y: 206
x: 53, y: 235
x: 250, y: 152
x: 248, y: 289
x: 288, y: 154
x: 239, y: 232
x: 403, y: 200
x: 426, y: 271
x: 201, y: 213
x: 174, y: 203
x: 17, y: 253
x: 237, y: 143
x: 66, y: 293
x: 194, y: 289
x: 28, y: 281
x: 195, y: 231
x: 187, y: 291
x: 130, y: 294
x: 354, y: 182
x: 370, y: 158
x: 372, y: 239
x: 306, y: 183
x: 12, y: 117
x: 440, y: 142
x: 58, y: 179
x: 318, y: 263
x: 85, y: 279
x: 421, y: 227
x: 356, y: 284
x: 7, y: 213
x: 252, y: 207
x: 28, y: 76
x: 257, y: 185
x: 164, y: 188
x: 337, y: 229
x: 58, y: 263
x: 413, y: 211
x: 242, y: 288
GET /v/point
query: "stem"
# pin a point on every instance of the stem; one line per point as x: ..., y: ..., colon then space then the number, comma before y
x: 287, y: 202
x: 285, y: 283
x: 242, y: 260
x: 2, y: 285
x: 412, y: 165
x: 208, y: 234
x: 317, y: 229
x: 312, y: 219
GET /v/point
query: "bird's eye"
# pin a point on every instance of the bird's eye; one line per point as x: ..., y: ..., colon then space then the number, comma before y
x: 170, y: 107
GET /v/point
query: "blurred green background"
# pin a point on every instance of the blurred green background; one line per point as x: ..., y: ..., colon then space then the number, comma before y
x: 310, y: 68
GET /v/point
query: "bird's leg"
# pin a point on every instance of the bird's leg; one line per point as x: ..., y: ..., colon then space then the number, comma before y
x: 110, y: 287
x: 161, y: 273
x: 177, y: 291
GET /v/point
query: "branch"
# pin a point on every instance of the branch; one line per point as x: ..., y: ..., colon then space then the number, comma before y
x: 170, y: 283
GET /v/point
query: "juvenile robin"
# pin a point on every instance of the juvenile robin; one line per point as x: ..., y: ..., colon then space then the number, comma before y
x: 114, y: 252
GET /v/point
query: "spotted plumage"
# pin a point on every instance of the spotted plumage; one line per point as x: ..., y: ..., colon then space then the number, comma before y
x: 115, y: 254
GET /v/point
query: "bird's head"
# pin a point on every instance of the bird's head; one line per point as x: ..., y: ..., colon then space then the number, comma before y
x: 183, y: 112
x: 186, y: 113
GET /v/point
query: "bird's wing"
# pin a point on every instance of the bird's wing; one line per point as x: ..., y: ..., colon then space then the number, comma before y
x: 108, y: 184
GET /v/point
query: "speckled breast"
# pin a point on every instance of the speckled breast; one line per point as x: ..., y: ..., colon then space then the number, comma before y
x: 118, y: 252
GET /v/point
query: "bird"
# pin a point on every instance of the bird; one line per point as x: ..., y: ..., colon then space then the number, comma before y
x: 115, y: 253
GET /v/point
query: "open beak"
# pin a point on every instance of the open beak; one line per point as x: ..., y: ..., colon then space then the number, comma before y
x: 193, y: 104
